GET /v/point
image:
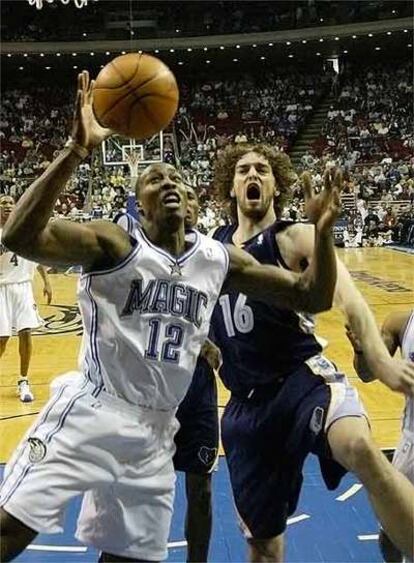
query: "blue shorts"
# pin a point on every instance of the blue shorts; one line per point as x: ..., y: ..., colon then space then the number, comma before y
x: 268, y: 434
x: 198, y: 436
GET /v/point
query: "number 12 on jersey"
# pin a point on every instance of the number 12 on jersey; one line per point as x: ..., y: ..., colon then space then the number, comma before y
x: 242, y: 318
x: 173, y: 339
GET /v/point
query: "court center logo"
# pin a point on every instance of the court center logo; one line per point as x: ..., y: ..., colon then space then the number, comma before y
x: 66, y: 319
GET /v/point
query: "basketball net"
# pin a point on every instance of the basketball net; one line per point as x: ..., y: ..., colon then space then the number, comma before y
x: 39, y: 3
x: 133, y: 161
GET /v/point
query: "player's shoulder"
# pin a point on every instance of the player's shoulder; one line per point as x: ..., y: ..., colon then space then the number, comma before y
x: 298, y: 229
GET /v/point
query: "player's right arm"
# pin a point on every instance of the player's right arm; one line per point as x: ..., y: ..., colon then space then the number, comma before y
x: 311, y: 291
x: 29, y: 231
x: 391, y: 331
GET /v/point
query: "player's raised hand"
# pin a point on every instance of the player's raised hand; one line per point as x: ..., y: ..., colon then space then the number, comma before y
x: 86, y: 130
x: 323, y: 208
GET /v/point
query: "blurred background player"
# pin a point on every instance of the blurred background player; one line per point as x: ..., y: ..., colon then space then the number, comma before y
x: 18, y: 310
x: 398, y: 333
x: 197, y: 440
x: 283, y: 392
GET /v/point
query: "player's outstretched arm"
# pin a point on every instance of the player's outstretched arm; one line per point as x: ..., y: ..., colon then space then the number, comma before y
x: 28, y: 230
x: 313, y: 290
x: 400, y: 374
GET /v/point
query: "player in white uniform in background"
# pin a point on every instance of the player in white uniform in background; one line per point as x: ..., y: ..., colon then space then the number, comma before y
x: 397, y: 332
x: 146, y: 306
x: 18, y: 310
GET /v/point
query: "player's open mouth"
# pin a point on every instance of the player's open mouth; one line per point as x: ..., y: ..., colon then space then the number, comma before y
x: 253, y: 192
x: 171, y: 199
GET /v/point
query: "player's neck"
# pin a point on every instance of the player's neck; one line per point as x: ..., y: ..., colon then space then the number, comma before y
x: 249, y: 227
x: 171, y: 241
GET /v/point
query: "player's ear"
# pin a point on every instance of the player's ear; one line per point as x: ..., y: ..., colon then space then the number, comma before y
x: 232, y: 193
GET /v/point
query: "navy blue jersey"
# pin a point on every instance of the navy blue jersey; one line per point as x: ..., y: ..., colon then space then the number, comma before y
x: 259, y: 343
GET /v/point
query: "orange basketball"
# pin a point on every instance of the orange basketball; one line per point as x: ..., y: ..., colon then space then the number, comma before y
x: 136, y: 95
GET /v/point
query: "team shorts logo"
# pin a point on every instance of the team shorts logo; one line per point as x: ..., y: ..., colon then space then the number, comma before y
x: 65, y: 319
x: 37, y: 450
x: 316, y: 421
x: 206, y: 455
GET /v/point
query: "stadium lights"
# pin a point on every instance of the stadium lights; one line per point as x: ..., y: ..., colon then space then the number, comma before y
x: 354, y: 37
x: 42, y: 54
x: 321, y: 40
x: 304, y: 41
x: 370, y: 35
x: 221, y: 47
x: 189, y: 49
x: 405, y: 30
x: 172, y: 50
x: 288, y: 43
x: 58, y: 54
x: 107, y: 52
x: 92, y: 54
x: 205, y: 49
x: 336, y: 38
x: 237, y: 46
x: 389, y: 33
x: 25, y: 55
x: 270, y: 44
x: 73, y: 54
x: 9, y: 54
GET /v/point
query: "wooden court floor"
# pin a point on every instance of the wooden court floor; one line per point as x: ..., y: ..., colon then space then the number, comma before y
x: 384, y: 276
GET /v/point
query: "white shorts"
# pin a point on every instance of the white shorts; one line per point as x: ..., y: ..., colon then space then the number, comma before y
x: 18, y: 309
x: 86, y: 440
x: 403, y: 459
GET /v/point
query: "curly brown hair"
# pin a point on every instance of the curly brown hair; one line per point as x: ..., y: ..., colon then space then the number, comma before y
x: 225, y: 166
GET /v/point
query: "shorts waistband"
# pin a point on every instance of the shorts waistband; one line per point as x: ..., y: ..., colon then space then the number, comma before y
x: 260, y: 391
x: 120, y: 405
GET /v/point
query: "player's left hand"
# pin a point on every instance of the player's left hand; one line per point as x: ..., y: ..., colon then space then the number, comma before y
x: 396, y: 374
x: 324, y: 208
x: 86, y: 130
x: 47, y: 292
x: 212, y: 354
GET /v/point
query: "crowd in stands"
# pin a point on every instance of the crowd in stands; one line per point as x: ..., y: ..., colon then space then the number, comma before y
x: 114, y: 19
x: 378, y: 179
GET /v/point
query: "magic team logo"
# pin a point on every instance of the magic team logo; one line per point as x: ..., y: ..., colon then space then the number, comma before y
x: 37, y: 450
x: 65, y: 320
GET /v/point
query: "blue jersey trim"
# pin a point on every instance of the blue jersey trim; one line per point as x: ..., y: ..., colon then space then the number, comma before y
x: 120, y: 265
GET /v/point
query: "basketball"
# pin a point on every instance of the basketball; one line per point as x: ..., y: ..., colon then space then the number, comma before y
x: 135, y: 95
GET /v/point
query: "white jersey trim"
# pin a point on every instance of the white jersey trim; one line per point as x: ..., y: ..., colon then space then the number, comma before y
x: 175, y: 260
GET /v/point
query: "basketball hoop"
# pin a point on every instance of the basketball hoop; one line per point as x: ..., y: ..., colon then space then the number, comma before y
x: 39, y: 3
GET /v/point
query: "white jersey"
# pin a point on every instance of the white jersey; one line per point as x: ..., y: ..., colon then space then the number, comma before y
x: 146, y: 319
x: 14, y: 268
x: 407, y: 349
